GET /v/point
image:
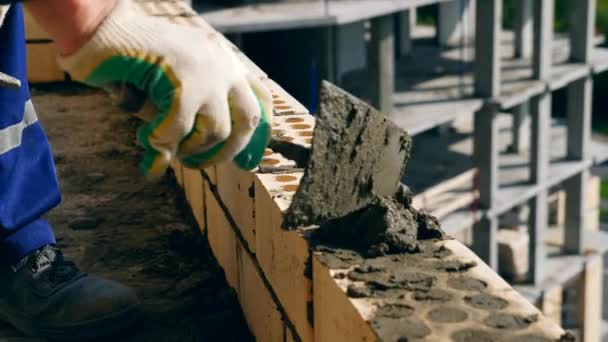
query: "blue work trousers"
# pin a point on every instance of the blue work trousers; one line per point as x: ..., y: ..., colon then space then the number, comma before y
x: 28, y: 182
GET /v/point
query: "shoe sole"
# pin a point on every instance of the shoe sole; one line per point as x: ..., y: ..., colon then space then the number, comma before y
x: 101, y: 327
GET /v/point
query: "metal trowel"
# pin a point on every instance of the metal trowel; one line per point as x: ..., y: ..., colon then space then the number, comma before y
x: 357, y: 154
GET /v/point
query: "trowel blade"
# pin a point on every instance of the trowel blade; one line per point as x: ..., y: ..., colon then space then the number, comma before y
x: 357, y: 154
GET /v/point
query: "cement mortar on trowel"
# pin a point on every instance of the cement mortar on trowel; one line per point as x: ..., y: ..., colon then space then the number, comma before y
x: 391, y: 253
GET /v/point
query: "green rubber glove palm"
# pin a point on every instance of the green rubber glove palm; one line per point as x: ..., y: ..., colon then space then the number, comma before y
x: 208, y: 106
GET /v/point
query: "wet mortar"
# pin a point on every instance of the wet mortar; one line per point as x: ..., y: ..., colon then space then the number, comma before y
x: 447, y: 315
x: 466, y: 284
x: 385, y: 249
x: 115, y: 224
x: 485, y: 301
x: 509, y: 321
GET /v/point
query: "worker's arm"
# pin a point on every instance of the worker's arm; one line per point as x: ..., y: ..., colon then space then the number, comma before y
x: 183, y: 70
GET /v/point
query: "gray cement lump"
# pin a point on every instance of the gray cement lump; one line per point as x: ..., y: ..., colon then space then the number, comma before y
x: 351, y: 184
x: 357, y: 155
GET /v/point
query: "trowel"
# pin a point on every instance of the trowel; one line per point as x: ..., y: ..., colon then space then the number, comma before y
x: 357, y: 155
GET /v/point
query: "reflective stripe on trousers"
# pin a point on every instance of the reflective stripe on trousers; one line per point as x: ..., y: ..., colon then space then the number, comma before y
x: 11, y: 136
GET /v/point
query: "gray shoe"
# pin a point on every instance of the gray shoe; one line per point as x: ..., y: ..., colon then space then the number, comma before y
x: 46, y: 296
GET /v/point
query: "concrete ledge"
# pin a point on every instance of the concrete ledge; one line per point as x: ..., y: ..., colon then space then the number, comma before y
x: 456, y: 297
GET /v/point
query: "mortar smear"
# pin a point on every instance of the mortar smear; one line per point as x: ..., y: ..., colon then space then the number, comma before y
x: 356, y: 156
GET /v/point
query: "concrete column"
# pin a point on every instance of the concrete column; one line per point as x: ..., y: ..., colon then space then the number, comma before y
x: 574, y: 229
x: 537, y: 224
x: 541, y: 135
x: 486, y: 153
x: 405, y: 21
x: 456, y: 22
x: 539, y: 164
x: 541, y: 130
x: 381, y: 63
x: 544, y: 14
x: 488, y: 27
x: 485, y: 244
x: 579, y: 134
x: 486, y: 159
x: 582, y: 29
x: 580, y: 97
x: 523, y: 27
x: 521, y: 128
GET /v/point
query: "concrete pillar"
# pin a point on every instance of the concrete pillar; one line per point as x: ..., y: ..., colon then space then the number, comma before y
x: 579, y: 134
x: 486, y: 155
x: 538, y: 221
x: 544, y: 14
x: 485, y: 243
x: 488, y: 27
x: 541, y: 136
x: 405, y: 21
x: 575, y: 188
x: 521, y: 128
x: 456, y: 22
x: 541, y: 130
x: 523, y: 27
x: 582, y: 29
x: 381, y: 63
x: 539, y: 165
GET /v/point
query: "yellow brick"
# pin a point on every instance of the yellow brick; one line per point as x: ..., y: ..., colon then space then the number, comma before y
x: 297, y: 129
x: 336, y: 318
x: 222, y: 240
x: 284, y: 104
x: 195, y: 194
x: 42, y: 63
x: 282, y: 254
x: 33, y: 31
x: 212, y: 174
x: 589, y: 306
x: 178, y: 171
x: 261, y: 313
x: 235, y: 187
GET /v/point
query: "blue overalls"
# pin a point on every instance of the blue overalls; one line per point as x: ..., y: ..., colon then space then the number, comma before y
x: 28, y: 182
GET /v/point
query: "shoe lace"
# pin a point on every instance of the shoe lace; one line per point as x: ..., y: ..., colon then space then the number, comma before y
x: 50, y: 260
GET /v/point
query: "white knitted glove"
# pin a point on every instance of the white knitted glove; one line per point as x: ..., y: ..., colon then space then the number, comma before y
x: 208, y: 105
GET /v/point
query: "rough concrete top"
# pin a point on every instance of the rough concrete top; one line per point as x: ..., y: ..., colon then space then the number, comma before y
x: 295, y: 15
x: 445, y: 293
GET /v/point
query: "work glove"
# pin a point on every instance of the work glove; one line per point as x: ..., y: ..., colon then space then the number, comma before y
x: 207, y: 103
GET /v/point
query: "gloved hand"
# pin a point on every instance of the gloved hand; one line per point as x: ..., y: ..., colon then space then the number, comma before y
x: 207, y: 104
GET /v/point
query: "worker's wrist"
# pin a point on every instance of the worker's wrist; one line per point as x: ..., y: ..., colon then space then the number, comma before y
x: 70, y: 23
